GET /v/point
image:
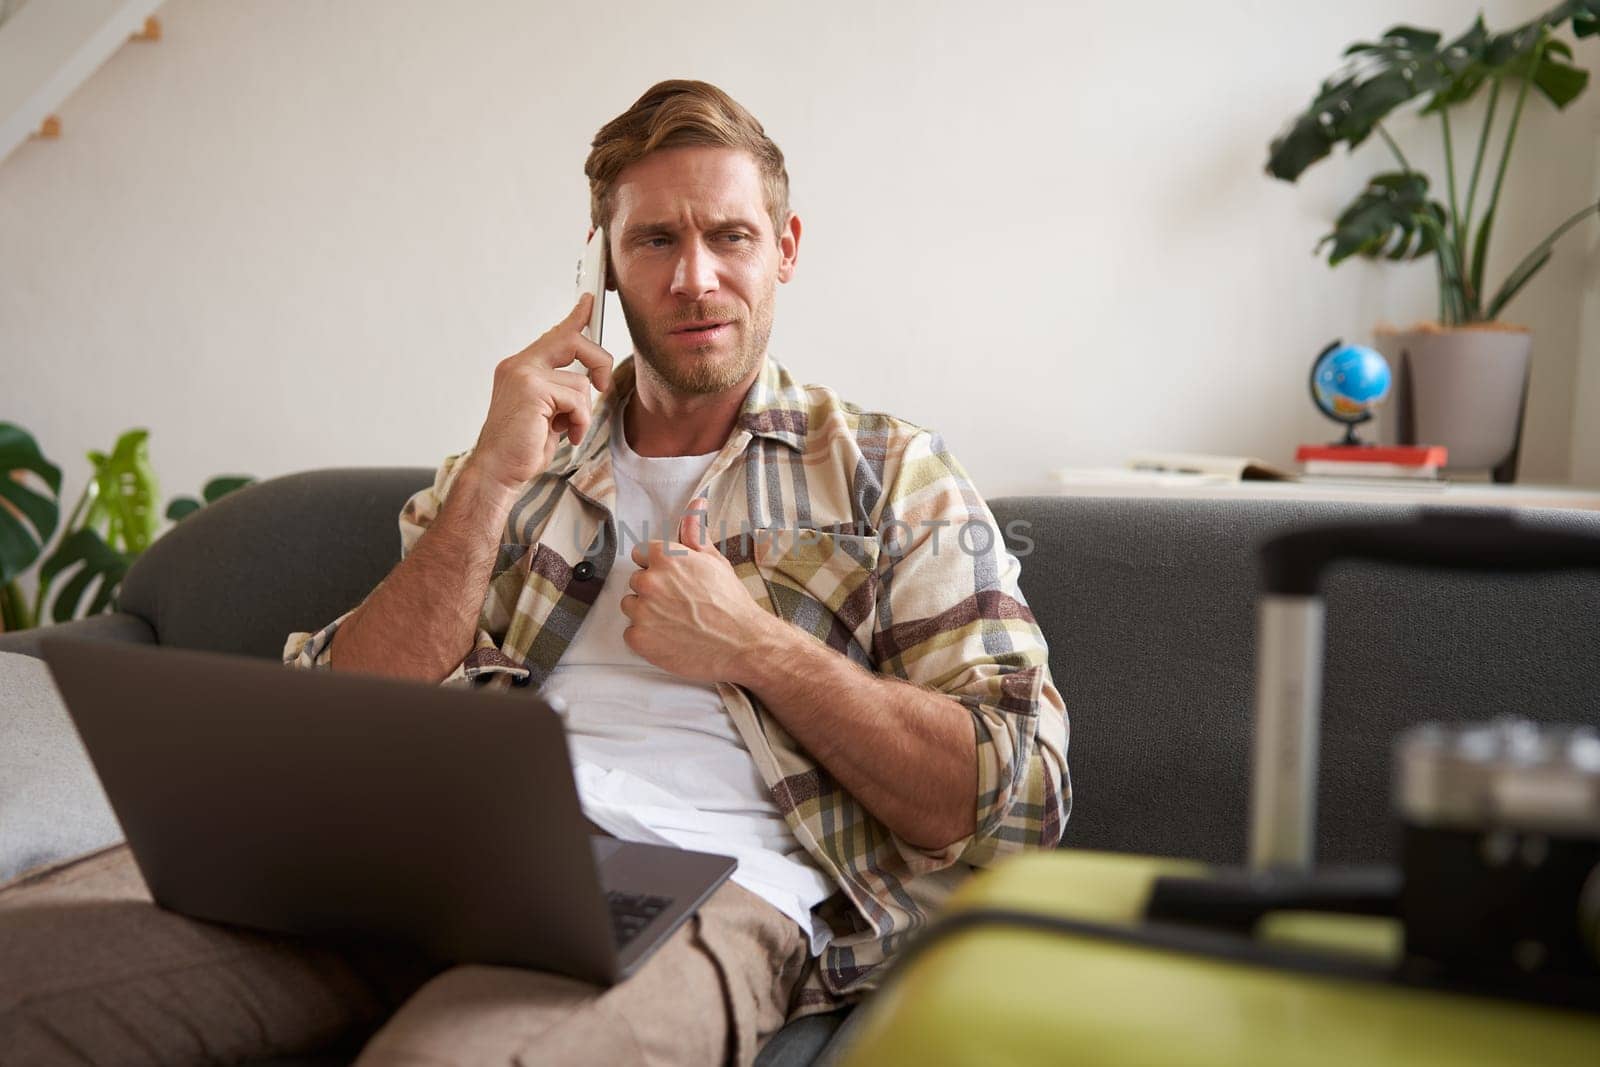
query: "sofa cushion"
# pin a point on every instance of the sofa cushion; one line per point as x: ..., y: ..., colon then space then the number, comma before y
x: 51, y: 803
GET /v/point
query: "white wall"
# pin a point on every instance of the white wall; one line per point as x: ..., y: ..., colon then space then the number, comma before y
x: 298, y: 234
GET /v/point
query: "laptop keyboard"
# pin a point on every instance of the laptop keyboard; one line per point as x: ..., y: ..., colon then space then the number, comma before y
x: 632, y: 912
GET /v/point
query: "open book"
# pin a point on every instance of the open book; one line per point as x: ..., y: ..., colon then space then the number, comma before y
x: 1232, y: 468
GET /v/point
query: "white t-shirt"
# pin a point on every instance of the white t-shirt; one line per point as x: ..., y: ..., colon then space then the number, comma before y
x: 655, y: 756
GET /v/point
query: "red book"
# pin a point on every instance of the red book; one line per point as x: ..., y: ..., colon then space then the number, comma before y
x: 1397, y: 455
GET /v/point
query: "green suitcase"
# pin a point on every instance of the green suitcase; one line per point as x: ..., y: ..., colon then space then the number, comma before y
x: 1047, y: 959
x: 1482, y: 947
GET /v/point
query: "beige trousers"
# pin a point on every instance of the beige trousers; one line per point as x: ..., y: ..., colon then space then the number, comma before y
x: 91, y: 972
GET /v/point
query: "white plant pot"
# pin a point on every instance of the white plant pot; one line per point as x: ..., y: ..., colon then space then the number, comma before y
x: 1464, y: 388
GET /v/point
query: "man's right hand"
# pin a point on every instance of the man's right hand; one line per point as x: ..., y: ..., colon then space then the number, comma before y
x: 534, y: 402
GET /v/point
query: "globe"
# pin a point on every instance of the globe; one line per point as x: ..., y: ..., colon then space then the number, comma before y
x: 1347, y: 383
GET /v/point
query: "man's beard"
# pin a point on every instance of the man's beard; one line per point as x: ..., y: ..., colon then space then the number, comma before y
x: 684, y: 370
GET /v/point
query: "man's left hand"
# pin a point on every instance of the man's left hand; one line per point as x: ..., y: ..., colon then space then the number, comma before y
x: 688, y: 612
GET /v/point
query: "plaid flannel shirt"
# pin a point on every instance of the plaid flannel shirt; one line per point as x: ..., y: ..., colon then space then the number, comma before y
x: 862, y: 530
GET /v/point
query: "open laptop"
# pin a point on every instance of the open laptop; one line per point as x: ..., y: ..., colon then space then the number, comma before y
x: 347, y: 805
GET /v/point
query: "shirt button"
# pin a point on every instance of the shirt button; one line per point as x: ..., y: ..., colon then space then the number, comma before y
x: 583, y: 571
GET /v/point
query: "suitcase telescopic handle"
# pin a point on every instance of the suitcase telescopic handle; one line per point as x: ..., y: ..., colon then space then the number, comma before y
x: 1290, y: 636
x: 1294, y: 562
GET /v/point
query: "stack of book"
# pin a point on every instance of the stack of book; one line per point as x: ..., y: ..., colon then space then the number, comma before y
x: 1372, y: 462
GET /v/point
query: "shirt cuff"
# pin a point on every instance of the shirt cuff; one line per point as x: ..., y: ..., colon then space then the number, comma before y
x: 481, y: 666
x: 313, y: 651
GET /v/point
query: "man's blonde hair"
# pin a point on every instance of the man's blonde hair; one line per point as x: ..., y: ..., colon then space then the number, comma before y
x: 673, y: 114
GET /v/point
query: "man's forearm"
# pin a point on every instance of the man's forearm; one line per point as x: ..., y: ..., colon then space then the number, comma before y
x: 423, y: 618
x: 907, y: 753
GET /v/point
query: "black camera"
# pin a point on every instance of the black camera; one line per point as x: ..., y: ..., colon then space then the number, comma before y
x: 1501, y: 849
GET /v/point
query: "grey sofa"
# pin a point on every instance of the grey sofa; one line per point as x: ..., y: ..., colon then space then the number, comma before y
x: 1148, y: 605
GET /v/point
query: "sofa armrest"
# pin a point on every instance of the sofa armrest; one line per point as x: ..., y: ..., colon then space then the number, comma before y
x: 116, y: 626
x: 51, y: 803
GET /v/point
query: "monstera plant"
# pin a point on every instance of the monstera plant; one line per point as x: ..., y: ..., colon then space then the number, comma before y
x: 1400, y: 216
x: 1396, y: 216
x: 114, y: 521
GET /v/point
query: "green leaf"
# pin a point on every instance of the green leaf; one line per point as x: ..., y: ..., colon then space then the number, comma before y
x: 1461, y: 88
x: 1402, y: 66
x: 1398, y: 39
x: 124, y: 494
x: 1389, y: 218
x: 28, y: 518
x: 1528, y: 50
x: 1561, y: 83
x: 217, y: 488
x: 1585, y: 18
x: 1408, y: 62
x: 223, y: 484
x: 1399, y: 181
x: 90, y: 560
x: 182, y: 507
x: 1465, y: 66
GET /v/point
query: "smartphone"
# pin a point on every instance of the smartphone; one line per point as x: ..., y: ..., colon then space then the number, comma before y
x: 592, y: 279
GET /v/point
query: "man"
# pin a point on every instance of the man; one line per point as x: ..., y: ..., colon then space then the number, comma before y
x: 782, y: 628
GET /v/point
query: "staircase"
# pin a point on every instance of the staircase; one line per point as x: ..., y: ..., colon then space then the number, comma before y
x: 50, y: 47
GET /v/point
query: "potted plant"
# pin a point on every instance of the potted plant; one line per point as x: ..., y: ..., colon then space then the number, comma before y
x: 113, y: 522
x: 1462, y: 380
